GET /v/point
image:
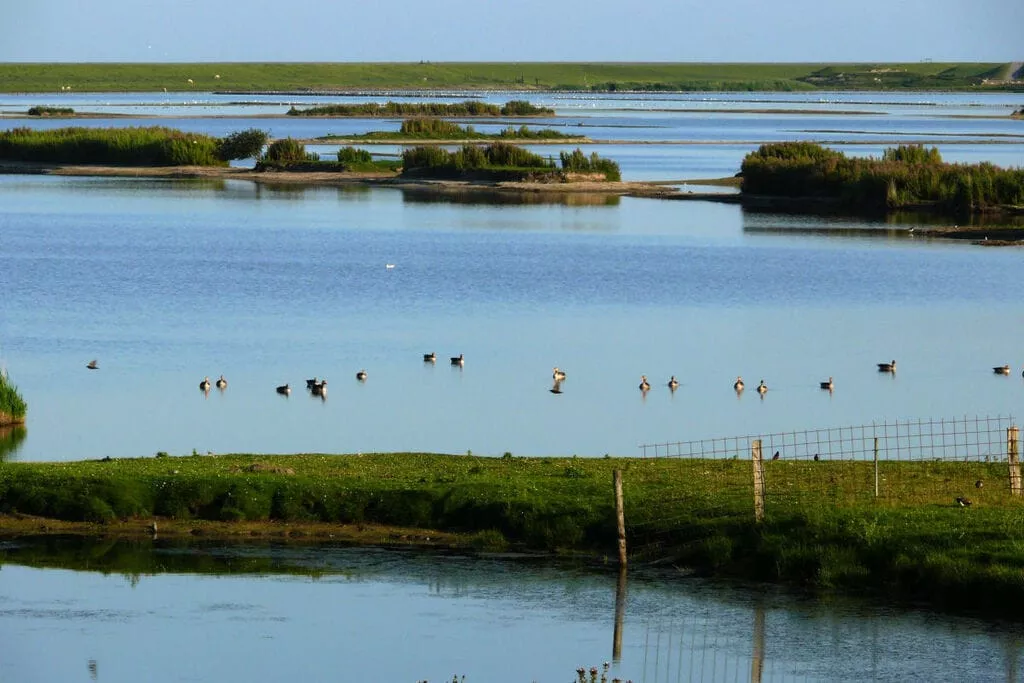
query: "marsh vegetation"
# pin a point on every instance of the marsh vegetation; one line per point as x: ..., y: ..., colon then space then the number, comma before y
x: 400, y: 109
x: 12, y: 405
x: 905, y: 176
x: 440, y: 129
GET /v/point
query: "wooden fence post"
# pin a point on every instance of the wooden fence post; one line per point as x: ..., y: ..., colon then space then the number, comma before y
x: 755, y: 456
x: 1013, y: 458
x: 620, y: 516
x: 876, y: 467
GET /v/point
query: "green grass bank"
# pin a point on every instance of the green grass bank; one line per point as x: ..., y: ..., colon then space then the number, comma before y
x: 823, y: 527
x: 597, y: 76
x: 473, y: 108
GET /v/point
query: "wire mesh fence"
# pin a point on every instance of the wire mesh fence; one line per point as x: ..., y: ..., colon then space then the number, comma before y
x: 965, y: 439
x: 955, y: 462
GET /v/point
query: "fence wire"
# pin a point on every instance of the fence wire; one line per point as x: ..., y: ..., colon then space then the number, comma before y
x: 964, y: 439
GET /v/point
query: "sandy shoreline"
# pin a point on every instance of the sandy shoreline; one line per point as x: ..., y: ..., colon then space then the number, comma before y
x: 334, y: 178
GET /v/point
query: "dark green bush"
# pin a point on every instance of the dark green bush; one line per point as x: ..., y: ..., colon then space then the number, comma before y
x: 245, y: 144
x: 50, y: 111
x: 288, y: 151
x: 577, y: 162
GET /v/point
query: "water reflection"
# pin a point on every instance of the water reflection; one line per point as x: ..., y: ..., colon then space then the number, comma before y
x: 483, y: 197
x: 467, y: 611
x: 11, y: 438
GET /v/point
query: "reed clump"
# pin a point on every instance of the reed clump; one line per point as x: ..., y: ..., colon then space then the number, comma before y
x: 504, y: 160
x: 428, y: 128
x: 149, y: 146
x: 12, y: 405
x: 905, y: 176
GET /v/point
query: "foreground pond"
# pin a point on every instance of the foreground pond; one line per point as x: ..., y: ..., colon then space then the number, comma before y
x: 263, y: 613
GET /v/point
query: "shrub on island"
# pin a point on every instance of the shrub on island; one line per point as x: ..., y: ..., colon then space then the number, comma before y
x: 41, y: 110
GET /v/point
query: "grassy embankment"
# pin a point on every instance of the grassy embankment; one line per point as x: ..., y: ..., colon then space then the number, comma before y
x: 12, y: 405
x: 432, y: 109
x: 823, y: 527
x: 907, y: 176
x: 428, y: 129
x: 152, y: 146
x: 140, y: 77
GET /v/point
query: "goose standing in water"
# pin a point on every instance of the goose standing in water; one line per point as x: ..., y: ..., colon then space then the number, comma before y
x: 205, y: 384
x: 673, y: 383
x: 458, y: 360
x: 827, y: 385
x: 430, y: 357
x: 762, y: 388
x: 644, y: 384
x: 284, y: 390
x: 93, y: 365
x: 1004, y: 370
x: 887, y: 367
x: 222, y: 383
x: 557, y: 374
x: 738, y: 384
x: 361, y: 375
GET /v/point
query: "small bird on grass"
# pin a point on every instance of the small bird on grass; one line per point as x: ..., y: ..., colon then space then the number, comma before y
x: 963, y: 502
x: 776, y: 456
x: 978, y: 484
x: 816, y: 457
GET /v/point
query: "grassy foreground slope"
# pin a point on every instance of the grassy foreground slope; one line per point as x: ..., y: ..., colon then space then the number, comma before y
x: 139, y: 77
x: 823, y: 525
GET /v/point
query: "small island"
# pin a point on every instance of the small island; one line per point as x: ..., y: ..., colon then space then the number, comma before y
x: 50, y: 111
x: 1019, y: 114
x: 906, y: 177
x: 400, y: 109
x: 431, y: 130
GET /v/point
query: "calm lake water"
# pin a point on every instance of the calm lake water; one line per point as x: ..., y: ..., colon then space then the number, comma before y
x: 168, y: 281
x: 259, y: 614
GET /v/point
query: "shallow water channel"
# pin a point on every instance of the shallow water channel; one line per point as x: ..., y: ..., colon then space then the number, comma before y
x: 118, y: 612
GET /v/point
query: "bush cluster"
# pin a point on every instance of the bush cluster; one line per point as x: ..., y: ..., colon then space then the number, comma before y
x: 246, y: 144
x: 353, y: 155
x: 473, y: 158
x: 50, y: 111
x: 906, y: 175
x: 288, y: 151
x: 578, y: 162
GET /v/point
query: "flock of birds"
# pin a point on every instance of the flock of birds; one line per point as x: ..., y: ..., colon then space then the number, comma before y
x: 318, y: 387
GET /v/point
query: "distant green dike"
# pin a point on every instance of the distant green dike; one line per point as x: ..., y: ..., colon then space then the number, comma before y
x: 823, y: 527
x: 591, y: 76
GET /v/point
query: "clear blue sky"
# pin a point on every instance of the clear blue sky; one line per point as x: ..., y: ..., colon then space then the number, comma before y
x: 513, y: 30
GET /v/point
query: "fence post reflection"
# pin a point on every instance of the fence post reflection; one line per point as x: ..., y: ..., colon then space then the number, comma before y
x: 757, y: 657
x: 620, y: 614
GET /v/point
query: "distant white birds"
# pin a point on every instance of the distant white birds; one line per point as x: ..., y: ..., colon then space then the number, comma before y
x: 389, y: 266
x: 190, y: 82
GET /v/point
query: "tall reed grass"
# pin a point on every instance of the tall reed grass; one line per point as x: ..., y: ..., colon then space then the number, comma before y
x: 12, y: 405
x: 152, y: 146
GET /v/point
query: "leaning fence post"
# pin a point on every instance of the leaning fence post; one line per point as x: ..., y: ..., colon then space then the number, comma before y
x: 876, y: 467
x: 620, y: 517
x: 755, y: 455
x: 1013, y: 458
